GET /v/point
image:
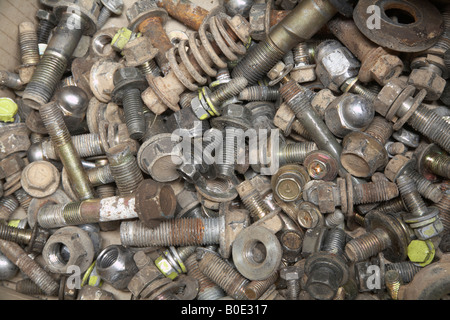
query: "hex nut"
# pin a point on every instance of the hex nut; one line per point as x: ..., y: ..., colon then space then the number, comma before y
x: 421, y: 252
x: 388, y: 94
x: 40, y: 179
x: 428, y: 80
x: 385, y: 68
x: 138, y: 51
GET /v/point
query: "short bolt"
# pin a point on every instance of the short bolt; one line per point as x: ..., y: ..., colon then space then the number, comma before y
x: 393, y: 283
x: 139, y: 53
x: 292, y: 276
x: 252, y: 200
x: 47, y: 22
x: 109, y: 7
x: 256, y: 288
x: 433, y: 160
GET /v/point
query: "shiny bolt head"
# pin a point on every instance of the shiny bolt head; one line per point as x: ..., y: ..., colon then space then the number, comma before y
x: 115, y: 6
x: 421, y: 252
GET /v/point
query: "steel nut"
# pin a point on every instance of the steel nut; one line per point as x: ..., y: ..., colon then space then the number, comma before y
x: 40, y: 179
x: 428, y: 80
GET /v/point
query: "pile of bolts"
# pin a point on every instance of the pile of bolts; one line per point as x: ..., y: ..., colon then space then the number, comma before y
x: 349, y: 201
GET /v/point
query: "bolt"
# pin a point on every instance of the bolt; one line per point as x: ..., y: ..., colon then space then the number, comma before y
x: 259, y: 93
x: 423, y: 220
x: 223, y: 274
x: 128, y: 84
x: 285, y: 120
x: 8, y: 204
x: 256, y: 288
x: 40, y: 179
x: 101, y: 176
x: 52, y: 118
x: 62, y: 45
x: 11, y: 80
x: 28, y: 43
x: 23, y: 198
x: 288, y: 182
x: 393, y: 282
x: 29, y: 267
x: 391, y: 206
x: 34, y: 238
x: 252, y: 200
x: 47, y: 21
x: 109, y: 7
x: 334, y: 219
x: 386, y: 233
x: 171, y: 262
x: 406, y: 269
x: 140, y: 53
x: 433, y: 160
x: 421, y: 252
x: 124, y: 169
x: 321, y: 165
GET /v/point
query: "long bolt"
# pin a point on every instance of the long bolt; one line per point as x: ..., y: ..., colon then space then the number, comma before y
x: 259, y: 93
x: 53, y: 120
x: 425, y: 187
x: 30, y: 267
x: 223, y: 274
x: 252, y: 200
x: 28, y: 43
x: 411, y: 197
x: 367, y: 245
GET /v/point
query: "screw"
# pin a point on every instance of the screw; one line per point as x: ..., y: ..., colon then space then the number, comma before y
x: 252, y: 200
x: 423, y: 220
x: 223, y: 274
x: 393, y: 283
x: 52, y: 118
x: 128, y: 84
x: 55, y: 59
x: 47, y: 21
x: 30, y: 267
x: 433, y: 160
x: 109, y: 7
x: 34, y: 238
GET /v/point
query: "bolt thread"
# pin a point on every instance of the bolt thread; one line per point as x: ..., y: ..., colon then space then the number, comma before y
x: 28, y: 43
x: 101, y: 176
x: 257, y: 62
x: 411, y: 197
x: 28, y: 287
x: 60, y: 215
x: 298, y: 128
x: 293, y: 289
x: 174, y: 232
x: 380, y: 129
x: 444, y: 209
x: 301, y: 54
x: 406, y: 269
x: 124, y: 169
x: 30, y: 267
x: 224, y: 275
x: 432, y: 126
x: 367, y: 245
x: 185, y: 252
x: 44, y: 30
x: 134, y: 113
x: 259, y: 93
x: 363, y: 91
x: 53, y: 120
x: 207, y: 290
x: 334, y: 219
x: 256, y: 288
x: 20, y: 236
x: 439, y: 164
x: 185, y: 99
x: 393, y: 283
x: 335, y: 241
x: 106, y: 191
x: 444, y: 40
x: 253, y: 202
x: 103, y: 16
x: 295, y: 152
x: 8, y: 205
x: 372, y: 192
x: 45, y: 79
x: 23, y: 198
x: 88, y: 145
x: 391, y: 206
x: 228, y: 91
x: 425, y: 187
x: 150, y: 68
x: 228, y: 152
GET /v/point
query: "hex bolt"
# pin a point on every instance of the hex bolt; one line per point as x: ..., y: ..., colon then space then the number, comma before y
x: 223, y: 274
x: 23, y: 198
x: 288, y: 182
x: 409, y: 109
x: 393, y: 282
x: 128, y: 84
x: 327, y: 269
x: 334, y: 219
x: 259, y: 93
x: 252, y: 200
x: 292, y: 276
x: 65, y: 39
x: 363, y: 152
x: 304, y: 67
x: 321, y: 165
x: 208, y: 103
x: 433, y: 160
x: 295, y: 152
x: 109, y: 7
x: 386, y: 233
x: 34, y: 238
x: 40, y: 179
x: 47, y: 22
x: 52, y: 118
x: 171, y: 261
x: 299, y: 25
x: 376, y: 63
x: 425, y: 221
x: 28, y: 44
x: 124, y: 169
x: 29, y: 267
x: 207, y: 290
x: 8, y: 204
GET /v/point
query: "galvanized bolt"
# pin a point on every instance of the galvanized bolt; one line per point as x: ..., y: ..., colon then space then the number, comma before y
x: 109, y: 7
x: 292, y: 276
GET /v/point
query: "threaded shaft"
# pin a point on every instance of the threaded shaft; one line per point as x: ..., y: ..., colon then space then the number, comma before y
x: 363, y: 91
x: 20, y: 236
x: 439, y: 164
x: 228, y: 91
x: 367, y: 245
x: 297, y: 98
x: 295, y: 152
x: 88, y: 145
x: 228, y: 152
x: 425, y: 187
x: 23, y: 198
x: 301, y: 130
x: 103, y: 16
x: 393, y: 283
x: 134, y: 113
x: 28, y: 287
x: 185, y: 99
x: 52, y: 118
x: 100, y: 175
x: 432, y: 126
x: 293, y: 289
x: 30, y: 267
x: 380, y: 129
x: 224, y: 275
x: 444, y: 209
x: 174, y: 232
x: 44, y: 30
x: 374, y: 192
x: 444, y: 39
x: 301, y: 54
x: 256, y: 288
x: 406, y: 269
x: 106, y: 191
x: 185, y: 252
x: 257, y: 62
x: 334, y: 219
x: 8, y: 205
x: 253, y: 201
x: 124, y: 169
x: 207, y: 290
x: 259, y: 93
x: 411, y: 197
x: 150, y: 68
x: 59, y: 215
x: 335, y: 241
x: 28, y: 43
x: 391, y: 206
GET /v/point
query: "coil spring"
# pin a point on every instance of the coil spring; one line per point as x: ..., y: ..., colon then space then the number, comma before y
x: 212, y: 33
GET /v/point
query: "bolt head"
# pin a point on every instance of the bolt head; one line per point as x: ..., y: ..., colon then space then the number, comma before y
x: 127, y: 74
x: 121, y: 38
x: 189, y: 172
x: 291, y: 273
x: 276, y: 71
x: 421, y: 252
x: 387, y: 95
x: 198, y: 109
x: 40, y: 179
x: 46, y: 15
x: 386, y: 68
x: 322, y: 284
x: 115, y: 6
x: 237, y: 111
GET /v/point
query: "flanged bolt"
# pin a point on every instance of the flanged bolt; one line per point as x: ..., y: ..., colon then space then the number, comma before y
x: 109, y: 7
x: 139, y: 53
x: 128, y: 84
x: 171, y: 261
x: 421, y: 252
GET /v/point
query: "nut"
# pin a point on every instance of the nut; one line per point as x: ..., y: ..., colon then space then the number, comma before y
x: 428, y: 80
x: 421, y: 252
x: 40, y: 179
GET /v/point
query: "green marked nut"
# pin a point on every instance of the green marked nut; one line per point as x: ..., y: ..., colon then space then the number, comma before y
x: 122, y: 37
x: 421, y: 252
x: 166, y: 268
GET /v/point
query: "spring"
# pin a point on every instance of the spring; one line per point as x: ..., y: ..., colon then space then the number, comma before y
x: 214, y: 33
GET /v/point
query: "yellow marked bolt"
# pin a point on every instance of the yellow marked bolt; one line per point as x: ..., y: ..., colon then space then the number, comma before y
x: 421, y: 252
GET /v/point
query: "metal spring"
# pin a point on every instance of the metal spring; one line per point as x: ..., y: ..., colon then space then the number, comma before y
x: 200, y: 46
